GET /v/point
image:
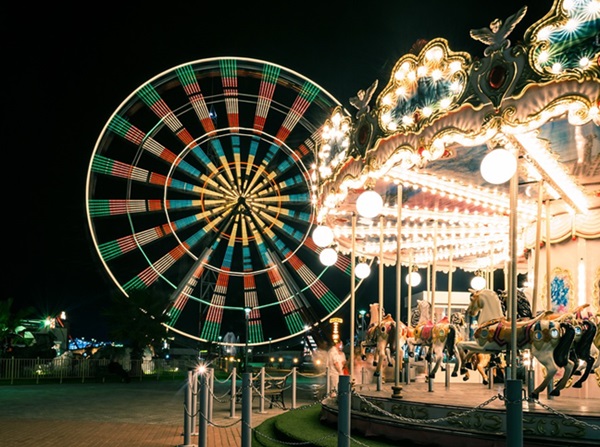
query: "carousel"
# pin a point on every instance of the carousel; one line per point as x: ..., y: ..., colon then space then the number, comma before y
x: 484, y: 163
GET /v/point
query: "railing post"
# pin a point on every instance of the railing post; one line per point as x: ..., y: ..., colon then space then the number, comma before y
x: 328, y: 382
x: 247, y: 409
x: 344, y: 412
x: 293, y: 388
x: 211, y: 384
x: 187, y: 416
x: 233, y: 392
x: 514, y: 413
x: 262, y: 390
x: 194, y: 401
x: 203, y: 413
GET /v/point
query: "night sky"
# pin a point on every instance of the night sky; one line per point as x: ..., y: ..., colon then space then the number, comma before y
x: 68, y: 66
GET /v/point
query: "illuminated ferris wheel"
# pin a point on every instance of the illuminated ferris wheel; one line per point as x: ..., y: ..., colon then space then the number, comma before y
x: 201, y: 187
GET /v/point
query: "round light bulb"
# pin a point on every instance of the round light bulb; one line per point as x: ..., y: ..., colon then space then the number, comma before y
x: 478, y: 282
x: 328, y: 257
x: 322, y: 235
x: 362, y: 270
x: 369, y: 204
x: 413, y: 279
x: 498, y: 166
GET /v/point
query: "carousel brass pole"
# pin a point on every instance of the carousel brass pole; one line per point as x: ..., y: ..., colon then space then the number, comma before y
x: 429, y: 289
x: 450, y: 284
x: 536, y: 259
x: 409, y: 297
x: 434, y: 270
x: 381, y: 291
x: 514, y: 405
x: 352, y: 296
x: 397, y: 388
x: 381, y: 268
x: 547, y: 249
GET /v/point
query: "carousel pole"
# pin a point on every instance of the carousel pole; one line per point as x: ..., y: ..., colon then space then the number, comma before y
x: 352, y: 296
x: 397, y: 388
x: 547, y: 248
x: 381, y: 267
x: 536, y: 259
x: 434, y: 269
x: 449, y: 307
x: 514, y: 405
x: 381, y: 218
x: 409, y: 297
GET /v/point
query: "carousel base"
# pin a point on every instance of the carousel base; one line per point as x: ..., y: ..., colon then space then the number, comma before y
x: 564, y: 421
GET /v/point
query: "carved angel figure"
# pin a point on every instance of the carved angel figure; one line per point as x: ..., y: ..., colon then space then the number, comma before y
x: 362, y: 99
x: 496, y: 35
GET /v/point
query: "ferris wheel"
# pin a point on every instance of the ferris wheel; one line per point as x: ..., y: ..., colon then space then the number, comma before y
x: 201, y: 187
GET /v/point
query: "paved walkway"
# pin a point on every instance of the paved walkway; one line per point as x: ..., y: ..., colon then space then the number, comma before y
x: 144, y: 414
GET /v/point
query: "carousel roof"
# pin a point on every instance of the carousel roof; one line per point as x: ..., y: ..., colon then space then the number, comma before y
x: 441, y: 113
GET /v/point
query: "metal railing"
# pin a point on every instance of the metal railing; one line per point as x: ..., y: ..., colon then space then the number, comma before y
x: 13, y: 370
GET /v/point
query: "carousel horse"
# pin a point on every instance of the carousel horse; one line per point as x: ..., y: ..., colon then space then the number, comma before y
x: 523, y: 306
x: 549, y: 341
x: 481, y: 362
x: 380, y: 332
x: 582, y: 349
x: 385, y: 337
x: 437, y: 338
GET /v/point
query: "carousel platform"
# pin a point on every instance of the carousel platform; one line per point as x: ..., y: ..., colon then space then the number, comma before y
x: 459, y: 414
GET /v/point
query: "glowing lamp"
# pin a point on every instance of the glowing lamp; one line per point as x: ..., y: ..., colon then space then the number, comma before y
x: 362, y: 270
x: 369, y: 204
x: 498, y: 166
x: 328, y: 256
x: 322, y: 235
x: 413, y: 279
x: 478, y: 282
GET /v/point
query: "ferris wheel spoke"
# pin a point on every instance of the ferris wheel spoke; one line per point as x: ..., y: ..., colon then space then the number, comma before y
x: 191, y: 87
x: 306, y: 96
x: 183, y: 293
x: 327, y: 298
x: 229, y: 80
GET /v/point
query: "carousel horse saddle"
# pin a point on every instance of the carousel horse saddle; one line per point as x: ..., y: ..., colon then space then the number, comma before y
x: 500, y: 329
x: 424, y: 331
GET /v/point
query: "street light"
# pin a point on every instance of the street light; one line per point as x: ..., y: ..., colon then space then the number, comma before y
x: 247, y: 311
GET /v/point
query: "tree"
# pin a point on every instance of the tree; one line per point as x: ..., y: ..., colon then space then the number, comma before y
x: 137, y: 321
x: 10, y: 320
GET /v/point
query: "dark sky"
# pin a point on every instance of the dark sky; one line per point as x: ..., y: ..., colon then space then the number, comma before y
x: 68, y: 66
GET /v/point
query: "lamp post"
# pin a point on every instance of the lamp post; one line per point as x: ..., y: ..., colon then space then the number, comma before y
x: 247, y: 311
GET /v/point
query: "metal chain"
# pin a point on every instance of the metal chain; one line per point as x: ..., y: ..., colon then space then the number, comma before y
x: 419, y: 421
x: 565, y: 416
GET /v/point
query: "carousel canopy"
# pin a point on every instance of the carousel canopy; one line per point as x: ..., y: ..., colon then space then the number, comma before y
x: 446, y: 133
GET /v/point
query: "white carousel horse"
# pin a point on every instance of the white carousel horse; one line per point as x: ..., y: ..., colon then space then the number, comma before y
x: 481, y: 362
x: 549, y: 341
x: 437, y: 337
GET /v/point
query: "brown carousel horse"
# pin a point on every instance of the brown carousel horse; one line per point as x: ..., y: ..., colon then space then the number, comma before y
x: 549, y: 341
x: 582, y: 350
x: 383, y: 337
x: 437, y: 338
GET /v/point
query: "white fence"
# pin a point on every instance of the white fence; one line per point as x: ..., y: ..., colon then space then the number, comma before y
x: 59, y: 369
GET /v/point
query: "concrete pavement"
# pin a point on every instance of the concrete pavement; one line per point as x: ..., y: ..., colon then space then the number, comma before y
x: 144, y: 414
